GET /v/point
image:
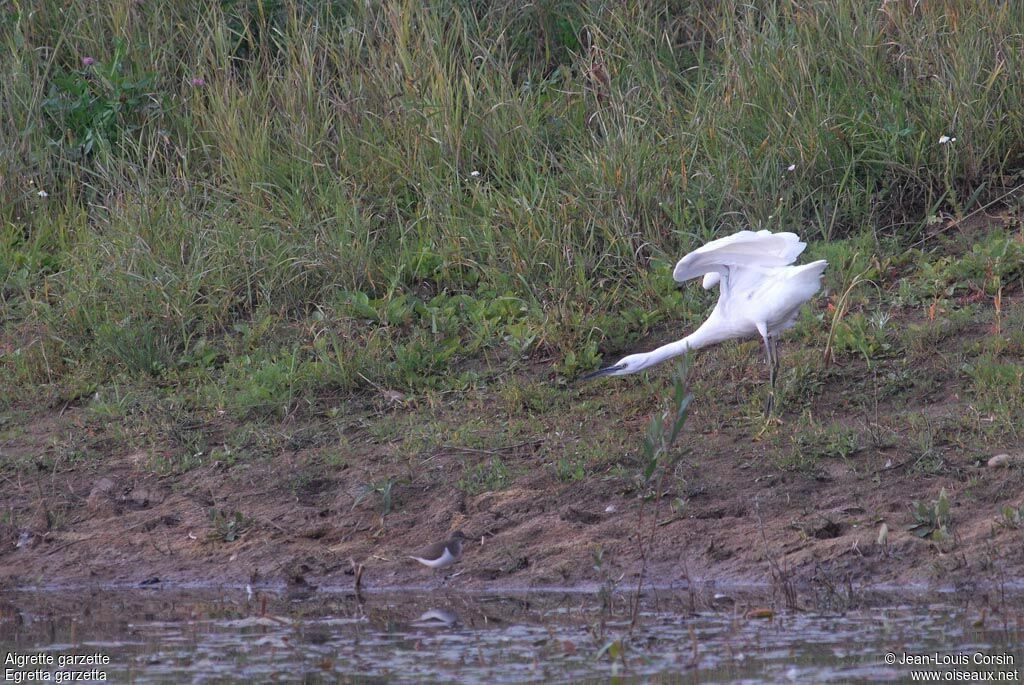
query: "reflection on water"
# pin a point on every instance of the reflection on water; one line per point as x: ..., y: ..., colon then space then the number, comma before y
x: 201, y: 636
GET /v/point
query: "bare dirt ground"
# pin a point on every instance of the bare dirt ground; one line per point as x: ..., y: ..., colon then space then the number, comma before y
x: 336, y: 493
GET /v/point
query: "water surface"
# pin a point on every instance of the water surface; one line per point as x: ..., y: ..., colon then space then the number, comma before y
x: 161, y: 635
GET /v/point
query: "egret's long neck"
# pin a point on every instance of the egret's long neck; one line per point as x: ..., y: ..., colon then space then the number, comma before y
x: 709, y: 333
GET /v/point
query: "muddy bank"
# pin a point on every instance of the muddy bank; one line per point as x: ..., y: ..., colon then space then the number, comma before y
x: 313, y: 513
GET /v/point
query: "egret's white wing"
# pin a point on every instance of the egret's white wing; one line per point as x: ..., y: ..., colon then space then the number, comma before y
x: 742, y: 249
x: 790, y: 249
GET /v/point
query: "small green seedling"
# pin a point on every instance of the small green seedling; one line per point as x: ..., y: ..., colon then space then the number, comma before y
x: 933, y: 519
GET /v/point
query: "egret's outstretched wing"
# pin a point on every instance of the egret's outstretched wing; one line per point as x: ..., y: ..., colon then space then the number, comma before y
x: 745, y: 248
x: 790, y: 249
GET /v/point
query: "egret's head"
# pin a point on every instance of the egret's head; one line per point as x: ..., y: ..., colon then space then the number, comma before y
x: 627, y: 365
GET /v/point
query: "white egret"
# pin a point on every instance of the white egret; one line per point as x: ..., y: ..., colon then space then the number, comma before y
x: 760, y: 296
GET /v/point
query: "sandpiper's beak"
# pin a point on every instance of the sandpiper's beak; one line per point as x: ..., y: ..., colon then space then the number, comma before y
x: 602, y: 372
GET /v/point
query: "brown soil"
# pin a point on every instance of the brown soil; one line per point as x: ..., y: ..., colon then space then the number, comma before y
x: 305, y: 515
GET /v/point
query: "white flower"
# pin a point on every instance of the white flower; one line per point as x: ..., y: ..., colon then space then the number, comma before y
x: 946, y: 139
x: 43, y: 193
x: 791, y: 167
x: 474, y: 174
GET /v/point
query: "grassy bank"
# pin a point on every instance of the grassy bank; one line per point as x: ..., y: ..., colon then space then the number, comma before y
x: 253, y: 206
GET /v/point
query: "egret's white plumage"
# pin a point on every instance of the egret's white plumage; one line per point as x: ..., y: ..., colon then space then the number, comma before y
x: 761, y: 294
x: 786, y: 246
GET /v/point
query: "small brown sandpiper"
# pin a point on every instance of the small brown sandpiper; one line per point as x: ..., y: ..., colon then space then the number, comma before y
x: 441, y: 554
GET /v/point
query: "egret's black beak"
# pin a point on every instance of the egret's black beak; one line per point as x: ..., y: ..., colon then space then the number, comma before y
x: 602, y: 372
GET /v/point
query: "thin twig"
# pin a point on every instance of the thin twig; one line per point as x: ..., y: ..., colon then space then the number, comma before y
x: 493, y: 450
x: 268, y: 522
x: 379, y: 388
x: 778, y: 575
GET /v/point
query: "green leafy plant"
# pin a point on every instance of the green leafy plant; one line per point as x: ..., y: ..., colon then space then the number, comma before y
x: 98, y: 104
x: 1011, y: 517
x: 142, y: 347
x: 660, y: 461
x: 665, y: 427
x: 575, y: 362
x: 264, y: 386
x: 521, y: 337
x: 932, y: 519
x: 488, y: 476
x: 864, y: 335
x: 998, y: 388
x: 383, y: 491
x: 569, y: 470
x: 833, y: 441
x: 228, y: 526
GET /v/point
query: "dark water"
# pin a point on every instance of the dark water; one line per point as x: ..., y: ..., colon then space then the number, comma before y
x: 230, y: 635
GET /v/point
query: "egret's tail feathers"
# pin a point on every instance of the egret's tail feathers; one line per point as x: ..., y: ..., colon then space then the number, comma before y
x: 807, y: 276
x: 799, y: 285
x: 806, y: 279
x: 812, y: 270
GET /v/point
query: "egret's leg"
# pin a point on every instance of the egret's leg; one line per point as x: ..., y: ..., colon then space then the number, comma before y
x: 775, y: 361
x: 771, y: 360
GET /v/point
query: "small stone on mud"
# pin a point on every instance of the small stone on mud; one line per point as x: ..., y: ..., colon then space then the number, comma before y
x: 142, y: 497
x: 140, y: 457
x: 101, y: 487
x: 99, y: 500
x: 393, y: 397
x: 574, y: 515
x: 1001, y: 460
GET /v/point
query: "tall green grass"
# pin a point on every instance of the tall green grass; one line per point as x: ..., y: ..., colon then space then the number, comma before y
x: 347, y: 191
